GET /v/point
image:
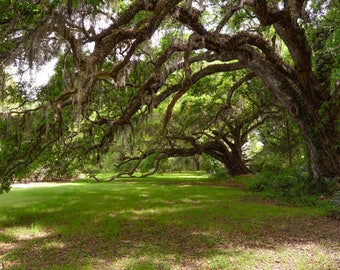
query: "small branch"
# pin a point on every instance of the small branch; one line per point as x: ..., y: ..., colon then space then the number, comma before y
x: 231, y: 91
x: 233, y: 9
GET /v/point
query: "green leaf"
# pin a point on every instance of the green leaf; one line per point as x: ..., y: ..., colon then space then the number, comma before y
x: 74, y: 3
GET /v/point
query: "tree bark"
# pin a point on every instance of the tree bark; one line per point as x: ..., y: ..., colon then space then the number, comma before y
x: 316, y: 123
x: 290, y: 156
x: 232, y: 160
x: 322, y: 145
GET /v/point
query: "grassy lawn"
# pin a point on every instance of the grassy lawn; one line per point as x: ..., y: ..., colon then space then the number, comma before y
x: 165, y: 222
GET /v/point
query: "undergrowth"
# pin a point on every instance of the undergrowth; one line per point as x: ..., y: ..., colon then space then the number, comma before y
x: 291, y: 185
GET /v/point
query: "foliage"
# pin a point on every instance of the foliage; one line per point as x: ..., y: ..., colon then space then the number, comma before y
x: 214, y: 168
x: 281, y: 144
x: 325, y: 37
x: 290, y: 184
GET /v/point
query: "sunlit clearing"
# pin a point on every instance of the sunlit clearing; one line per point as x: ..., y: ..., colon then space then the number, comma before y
x: 136, y: 214
x: 55, y: 244
x: 27, y: 233
x: 138, y: 262
x: 180, y: 176
x: 294, y: 256
x: 42, y: 184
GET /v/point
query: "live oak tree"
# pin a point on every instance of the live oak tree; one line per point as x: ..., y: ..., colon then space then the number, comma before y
x: 104, y: 42
x: 214, y: 118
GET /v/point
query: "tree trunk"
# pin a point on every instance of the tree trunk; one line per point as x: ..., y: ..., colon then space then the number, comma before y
x: 236, y: 165
x: 232, y: 160
x: 321, y: 138
x: 198, y: 162
x: 290, y: 156
x: 322, y: 146
x: 315, y: 114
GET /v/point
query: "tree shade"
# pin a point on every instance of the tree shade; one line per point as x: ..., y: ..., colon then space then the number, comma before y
x: 118, y: 60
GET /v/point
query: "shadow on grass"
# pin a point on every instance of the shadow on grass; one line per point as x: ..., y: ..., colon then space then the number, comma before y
x: 153, y: 225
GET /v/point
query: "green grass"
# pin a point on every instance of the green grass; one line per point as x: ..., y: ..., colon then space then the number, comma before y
x: 160, y: 222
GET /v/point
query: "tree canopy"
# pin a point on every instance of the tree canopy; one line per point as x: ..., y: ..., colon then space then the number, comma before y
x: 119, y: 61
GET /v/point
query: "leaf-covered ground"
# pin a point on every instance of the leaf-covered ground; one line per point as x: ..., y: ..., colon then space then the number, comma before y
x: 161, y: 223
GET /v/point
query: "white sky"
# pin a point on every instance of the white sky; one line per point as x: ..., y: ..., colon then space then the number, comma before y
x: 44, y: 73
x: 36, y: 77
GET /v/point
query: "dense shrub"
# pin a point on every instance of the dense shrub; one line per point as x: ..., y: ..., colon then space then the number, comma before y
x: 290, y: 184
